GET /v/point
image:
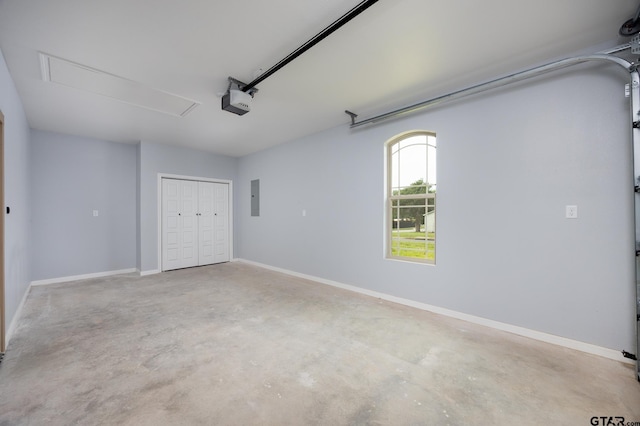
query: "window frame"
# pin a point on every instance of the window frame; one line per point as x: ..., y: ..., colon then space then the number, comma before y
x: 390, y: 198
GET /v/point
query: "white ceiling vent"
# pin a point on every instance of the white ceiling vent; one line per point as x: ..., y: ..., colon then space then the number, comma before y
x: 71, y: 74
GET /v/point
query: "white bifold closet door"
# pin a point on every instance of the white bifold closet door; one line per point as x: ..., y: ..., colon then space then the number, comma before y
x: 195, y: 223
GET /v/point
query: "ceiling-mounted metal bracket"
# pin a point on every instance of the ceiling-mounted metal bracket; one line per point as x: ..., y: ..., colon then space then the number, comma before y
x: 635, y: 42
x: 631, y: 26
x: 235, y: 84
x: 353, y: 116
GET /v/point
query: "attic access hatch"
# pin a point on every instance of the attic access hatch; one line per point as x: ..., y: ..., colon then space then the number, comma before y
x: 77, y: 76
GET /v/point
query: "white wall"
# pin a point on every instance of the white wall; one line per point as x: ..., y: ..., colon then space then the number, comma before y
x: 156, y: 158
x: 508, y: 163
x: 71, y: 177
x: 16, y: 185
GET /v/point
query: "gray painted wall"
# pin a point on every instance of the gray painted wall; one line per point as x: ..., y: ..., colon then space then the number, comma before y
x: 16, y: 185
x: 508, y: 164
x: 154, y: 159
x: 71, y: 177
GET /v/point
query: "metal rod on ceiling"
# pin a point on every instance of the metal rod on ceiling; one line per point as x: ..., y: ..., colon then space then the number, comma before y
x: 311, y: 42
x: 502, y: 81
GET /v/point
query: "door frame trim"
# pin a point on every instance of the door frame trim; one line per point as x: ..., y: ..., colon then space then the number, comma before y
x: 3, y: 331
x: 195, y: 178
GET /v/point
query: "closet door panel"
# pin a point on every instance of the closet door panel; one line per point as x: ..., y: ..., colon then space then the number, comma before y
x: 171, y: 232
x: 221, y: 222
x: 189, y: 219
x: 205, y: 223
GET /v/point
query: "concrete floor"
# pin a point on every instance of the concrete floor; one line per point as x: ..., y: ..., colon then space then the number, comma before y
x: 233, y: 344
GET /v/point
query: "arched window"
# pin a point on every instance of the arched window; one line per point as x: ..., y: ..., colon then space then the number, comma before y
x: 411, y: 197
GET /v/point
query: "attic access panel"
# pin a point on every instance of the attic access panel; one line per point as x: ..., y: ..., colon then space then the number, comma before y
x: 77, y: 76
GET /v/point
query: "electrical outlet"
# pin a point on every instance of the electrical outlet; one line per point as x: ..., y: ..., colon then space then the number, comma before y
x: 571, y: 212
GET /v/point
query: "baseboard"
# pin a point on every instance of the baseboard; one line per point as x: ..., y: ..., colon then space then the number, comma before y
x: 14, y: 321
x: 521, y: 331
x: 149, y: 272
x: 83, y: 277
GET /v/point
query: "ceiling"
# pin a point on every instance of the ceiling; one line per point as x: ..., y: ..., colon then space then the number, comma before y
x: 395, y: 53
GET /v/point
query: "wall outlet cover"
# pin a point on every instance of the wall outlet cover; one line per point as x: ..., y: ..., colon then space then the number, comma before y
x: 571, y: 212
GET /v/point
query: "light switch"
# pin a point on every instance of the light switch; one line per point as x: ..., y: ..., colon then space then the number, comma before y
x: 95, y: 213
